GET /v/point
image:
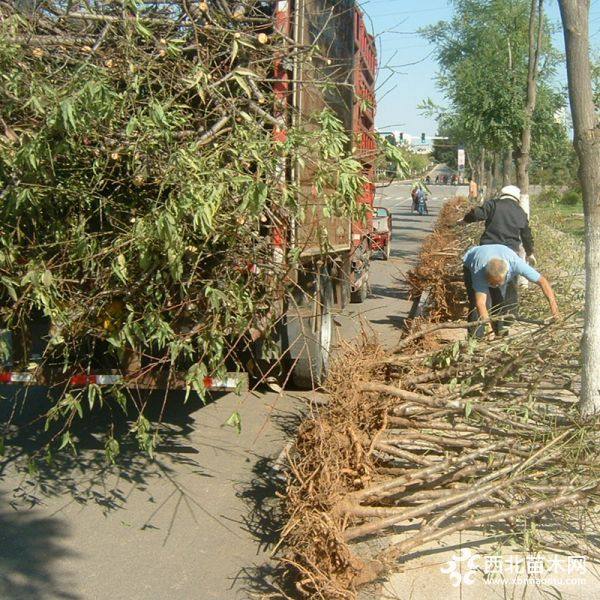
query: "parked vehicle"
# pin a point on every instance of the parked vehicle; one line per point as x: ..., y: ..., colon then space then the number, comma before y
x: 382, y: 232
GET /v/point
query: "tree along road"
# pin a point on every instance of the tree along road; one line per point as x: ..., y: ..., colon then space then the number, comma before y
x: 199, y: 521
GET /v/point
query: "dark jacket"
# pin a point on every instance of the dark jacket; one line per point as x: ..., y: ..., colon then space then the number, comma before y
x: 506, y: 223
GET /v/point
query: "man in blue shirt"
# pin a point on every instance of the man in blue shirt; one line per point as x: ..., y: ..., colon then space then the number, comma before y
x: 492, y: 267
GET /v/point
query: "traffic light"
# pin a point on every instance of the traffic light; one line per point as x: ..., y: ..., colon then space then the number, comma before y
x: 422, y: 138
x: 401, y: 136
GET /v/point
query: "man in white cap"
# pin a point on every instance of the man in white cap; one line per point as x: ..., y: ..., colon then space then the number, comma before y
x: 507, y: 224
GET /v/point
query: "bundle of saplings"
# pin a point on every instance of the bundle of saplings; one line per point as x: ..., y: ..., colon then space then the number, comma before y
x: 141, y: 182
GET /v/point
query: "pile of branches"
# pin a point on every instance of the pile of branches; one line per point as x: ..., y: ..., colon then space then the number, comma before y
x: 437, y: 279
x: 142, y: 166
x: 472, y: 436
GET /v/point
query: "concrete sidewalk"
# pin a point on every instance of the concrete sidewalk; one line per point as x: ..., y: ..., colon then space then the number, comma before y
x: 472, y: 566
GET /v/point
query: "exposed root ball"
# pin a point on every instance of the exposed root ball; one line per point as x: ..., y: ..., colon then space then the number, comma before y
x: 462, y: 436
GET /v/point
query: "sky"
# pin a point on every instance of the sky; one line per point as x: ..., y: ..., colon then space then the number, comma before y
x: 408, y: 66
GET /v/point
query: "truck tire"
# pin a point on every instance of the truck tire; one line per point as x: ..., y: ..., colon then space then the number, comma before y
x: 308, y: 330
x: 386, y: 251
x: 343, y: 282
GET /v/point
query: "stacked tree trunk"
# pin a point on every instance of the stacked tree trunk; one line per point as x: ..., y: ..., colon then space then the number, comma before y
x: 464, y: 436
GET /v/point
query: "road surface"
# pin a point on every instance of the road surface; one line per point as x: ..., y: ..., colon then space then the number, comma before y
x: 200, y: 520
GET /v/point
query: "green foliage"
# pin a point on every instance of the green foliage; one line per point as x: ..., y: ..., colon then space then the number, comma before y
x: 549, y: 195
x: 553, y: 158
x: 139, y: 180
x: 398, y: 156
x: 399, y: 161
x: 562, y: 217
x: 235, y: 421
x: 483, y: 58
x: 595, y: 64
x: 572, y: 198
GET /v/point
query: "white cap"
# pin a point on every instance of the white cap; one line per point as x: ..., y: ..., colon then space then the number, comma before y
x: 511, y: 191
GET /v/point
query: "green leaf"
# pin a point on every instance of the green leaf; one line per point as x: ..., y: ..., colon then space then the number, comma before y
x: 32, y: 467
x: 234, y: 51
x: 468, y: 408
x: 455, y: 350
x: 120, y: 268
x: 65, y: 440
x: 10, y: 288
x: 66, y: 108
x: 246, y: 72
x: 243, y: 84
x: 143, y: 30
x: 112, y: 449
x: 47, y: 278
x: 235, y: 420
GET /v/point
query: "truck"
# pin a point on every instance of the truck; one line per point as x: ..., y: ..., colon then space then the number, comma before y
x: 326, y: 277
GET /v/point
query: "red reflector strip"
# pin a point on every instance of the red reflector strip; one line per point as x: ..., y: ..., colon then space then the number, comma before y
x: 228, y: 383
x: 84, y: 379
x: 280, y: 135
x: 278, y: 237
x: 15, y: 377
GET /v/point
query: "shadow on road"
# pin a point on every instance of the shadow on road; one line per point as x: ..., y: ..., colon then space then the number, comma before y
x: 265, y: 518
x: 29, y: 549
x: 84, y: 477
x: 264, y: 521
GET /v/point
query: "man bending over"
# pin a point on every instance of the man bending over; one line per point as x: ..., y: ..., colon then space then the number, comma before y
x: 492, y: 267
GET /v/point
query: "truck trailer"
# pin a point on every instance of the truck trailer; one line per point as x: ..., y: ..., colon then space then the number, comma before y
x: 331, y: 253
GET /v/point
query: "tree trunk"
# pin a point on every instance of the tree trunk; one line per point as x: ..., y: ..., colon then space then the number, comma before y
x: 536, y: 32
x: 507, y: 166
x: 497, y: 178
x: 481, y: 174
x: 575, y: 18
x: 489, y: 178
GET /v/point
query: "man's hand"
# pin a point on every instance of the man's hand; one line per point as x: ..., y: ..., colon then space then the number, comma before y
x: 532, y: 260
x: 549, y: 293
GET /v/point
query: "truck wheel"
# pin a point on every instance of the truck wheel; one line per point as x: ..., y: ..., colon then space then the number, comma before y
x: 343, y: 282
x: 360, y: 295
x: 308, y: 329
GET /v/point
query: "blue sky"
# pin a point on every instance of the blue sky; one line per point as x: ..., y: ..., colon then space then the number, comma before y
x: 395, y: 23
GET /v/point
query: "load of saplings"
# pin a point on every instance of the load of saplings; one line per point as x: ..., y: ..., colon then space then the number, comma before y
x: 141, y: 183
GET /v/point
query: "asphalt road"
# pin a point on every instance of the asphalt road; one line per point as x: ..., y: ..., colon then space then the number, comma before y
x: 441, y: 170
x: 200, y: 520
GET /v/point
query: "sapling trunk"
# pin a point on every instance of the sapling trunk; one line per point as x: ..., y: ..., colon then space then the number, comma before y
x: 575, y: 18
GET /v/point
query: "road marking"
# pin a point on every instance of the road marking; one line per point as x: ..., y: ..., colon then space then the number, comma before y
x: 401, y: 202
